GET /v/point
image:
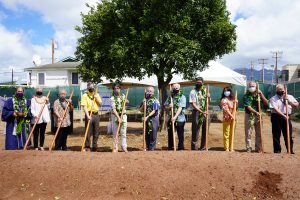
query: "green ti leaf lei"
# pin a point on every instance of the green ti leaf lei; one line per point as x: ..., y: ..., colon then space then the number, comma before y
x: 23, y: 120
x: 148, y: 111
x: 119, y: 105
x: 252, y: 115
x: 201, y: 97
x: 176, y: 99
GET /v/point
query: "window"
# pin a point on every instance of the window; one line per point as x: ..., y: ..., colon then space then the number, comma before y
x: 41, y: 78
x: 74, y: 78
x: 285, y: 75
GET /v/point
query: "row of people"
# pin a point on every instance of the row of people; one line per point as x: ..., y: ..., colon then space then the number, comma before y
x: 20, y: 114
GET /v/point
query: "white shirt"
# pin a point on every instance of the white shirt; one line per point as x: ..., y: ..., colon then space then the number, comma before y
x: 194, y: 99
x: 35, y: 110
x: 277, y: 102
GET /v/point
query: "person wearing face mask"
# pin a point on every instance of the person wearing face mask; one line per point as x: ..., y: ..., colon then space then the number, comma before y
x: 278, y: 117
x: 197, y: 100
x: 59, y: 107
x: 151, y: 119
x: 179, y: 105
x: 227, y: 104
x: 17, y: 115
x: 117, y: 101
x: 37, y: 103
x: 91, y: 101
x: 250, y: 102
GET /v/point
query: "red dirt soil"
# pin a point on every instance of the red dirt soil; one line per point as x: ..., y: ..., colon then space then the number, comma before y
x: 148, y: 175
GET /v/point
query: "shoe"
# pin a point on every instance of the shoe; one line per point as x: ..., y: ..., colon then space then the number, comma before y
x: 86, y: 150
x: 64, y: 148
x: 42, y: 148
x: 249, y: 150
x: 94, y: 149
x: 125, y: 150
x: 36, y: 149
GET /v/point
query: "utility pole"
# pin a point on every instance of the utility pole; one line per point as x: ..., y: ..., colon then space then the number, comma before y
x: 12, y: 76
x: 276, y: 55
x: 52, y: 45
x: 251, y: 71
x: 263, y: 61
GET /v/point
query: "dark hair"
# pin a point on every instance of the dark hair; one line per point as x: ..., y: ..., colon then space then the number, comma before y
x: 199, y: 79
x: 115, y: 84
x: 231, y: 96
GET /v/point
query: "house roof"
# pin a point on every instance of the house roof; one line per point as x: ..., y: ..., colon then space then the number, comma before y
x: 58, y: 65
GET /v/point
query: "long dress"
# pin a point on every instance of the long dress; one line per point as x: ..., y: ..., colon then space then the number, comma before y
x: 14, y: 141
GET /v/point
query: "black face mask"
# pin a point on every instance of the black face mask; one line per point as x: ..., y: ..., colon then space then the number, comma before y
x: 175, y: 91
x: 91, y: 89
x: 39, y: 93
x: 280, y: 93
x: 198, y: 86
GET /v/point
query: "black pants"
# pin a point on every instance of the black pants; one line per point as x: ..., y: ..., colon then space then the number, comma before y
x: 93, y: 131
x: 278, y: 125
x: 196, y: 129
x: 152, y: 135
x: 61, y: 140
x: 39, y: 130
x: 179, y: 127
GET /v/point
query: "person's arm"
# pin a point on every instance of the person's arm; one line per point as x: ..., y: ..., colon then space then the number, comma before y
x: 226, y: 109
x: 177, y: 113
x: 252, y: 110
x: 117, y: 115
x: 263, y: 98
x: 8, y: 111
x: 293, y: 102
x: 98, y: 99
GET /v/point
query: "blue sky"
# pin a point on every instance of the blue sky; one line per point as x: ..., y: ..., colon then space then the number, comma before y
x: 27, y: 27
x: 30, y: 22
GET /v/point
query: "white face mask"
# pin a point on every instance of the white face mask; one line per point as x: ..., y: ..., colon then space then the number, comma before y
x: 252, y: 89
x: 227, y: 93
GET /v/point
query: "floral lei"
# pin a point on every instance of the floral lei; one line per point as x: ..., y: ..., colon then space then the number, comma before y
x: 252, y: 115
x: 119, y: 104
x: 201, y: 97
x: 23, y: 120
x: 176, y: 99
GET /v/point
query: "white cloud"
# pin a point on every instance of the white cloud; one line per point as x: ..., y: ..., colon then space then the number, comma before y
x: 265, y: 26
x: 16, y: 49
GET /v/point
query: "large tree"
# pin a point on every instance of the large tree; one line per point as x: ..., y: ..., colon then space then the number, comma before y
x: 138, y: 38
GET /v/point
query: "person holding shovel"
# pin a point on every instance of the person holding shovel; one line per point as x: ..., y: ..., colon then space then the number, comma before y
x: 91, y: 101
x: 117, y: 101
x: 178, y: 106
x: 59, y: 107
x: 151, y: 119
x: 250, y: 101
x: 197, y: 100
x: 278, y: 117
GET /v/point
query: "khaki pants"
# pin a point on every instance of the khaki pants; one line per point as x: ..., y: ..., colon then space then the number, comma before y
x: 248, y: 132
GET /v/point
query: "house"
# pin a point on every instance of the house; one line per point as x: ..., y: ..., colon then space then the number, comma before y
x: 290, y: 73
x: 62, y: 73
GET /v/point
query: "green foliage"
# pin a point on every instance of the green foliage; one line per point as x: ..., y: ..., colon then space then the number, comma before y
x: 145, y: 37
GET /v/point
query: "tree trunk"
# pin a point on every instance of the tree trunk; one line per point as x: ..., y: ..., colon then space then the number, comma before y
x: 163, y: 95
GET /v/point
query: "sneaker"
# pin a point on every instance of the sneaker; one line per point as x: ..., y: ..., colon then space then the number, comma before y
x: 249, y: 150
x: 94, y: 149
x: 36, y: 149
x: 125, y: 150
x: 86, y: 150
x: 42, y: 148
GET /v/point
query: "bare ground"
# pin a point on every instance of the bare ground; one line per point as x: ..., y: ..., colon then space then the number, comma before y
x: 152, y: 175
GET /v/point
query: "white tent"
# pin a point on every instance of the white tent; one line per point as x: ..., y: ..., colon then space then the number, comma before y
x: 216, y: 74
x: 134, y: 82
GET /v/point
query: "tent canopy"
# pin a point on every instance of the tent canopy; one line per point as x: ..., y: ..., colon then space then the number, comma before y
x: 133, y: 82
x: 216, y: 74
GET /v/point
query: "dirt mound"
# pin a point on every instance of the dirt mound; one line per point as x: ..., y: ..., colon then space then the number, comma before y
x: 148, y: 175
x: 266, y: 185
